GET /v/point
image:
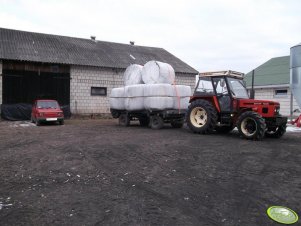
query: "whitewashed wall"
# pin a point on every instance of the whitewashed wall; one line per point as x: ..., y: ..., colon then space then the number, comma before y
x: 269, y: 94
x: 82, y: 79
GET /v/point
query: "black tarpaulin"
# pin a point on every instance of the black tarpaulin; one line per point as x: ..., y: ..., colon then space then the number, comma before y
x: 22, y: 111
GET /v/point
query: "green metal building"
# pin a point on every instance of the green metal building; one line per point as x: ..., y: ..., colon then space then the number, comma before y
x: 271, y: 82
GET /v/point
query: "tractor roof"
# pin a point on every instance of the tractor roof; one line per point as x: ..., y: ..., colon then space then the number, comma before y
x: 228, y: 73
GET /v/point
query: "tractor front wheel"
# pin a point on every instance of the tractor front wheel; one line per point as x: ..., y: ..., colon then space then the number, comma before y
x: 201, y: 117
x: 276, y: 132
x: 251, y: 125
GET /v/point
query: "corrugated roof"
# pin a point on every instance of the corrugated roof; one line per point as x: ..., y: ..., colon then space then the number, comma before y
x: 273, y: 72
x: 37, y: 47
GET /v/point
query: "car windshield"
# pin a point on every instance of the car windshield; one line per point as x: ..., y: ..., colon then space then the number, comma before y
x: 47, y: 104
x: 237, y: 88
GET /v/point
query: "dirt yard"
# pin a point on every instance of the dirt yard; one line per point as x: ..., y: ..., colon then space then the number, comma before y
x: 93, y: 172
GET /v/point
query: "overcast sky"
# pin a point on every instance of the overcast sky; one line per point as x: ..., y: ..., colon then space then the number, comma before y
x: 207, y: 34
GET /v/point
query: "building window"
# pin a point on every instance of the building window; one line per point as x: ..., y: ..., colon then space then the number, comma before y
x: 280, y: 92
x: 98, y: 91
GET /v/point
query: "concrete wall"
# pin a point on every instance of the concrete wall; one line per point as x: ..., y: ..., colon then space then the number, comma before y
x: 0, y: 83
x: 83, y: 78
x: 269, y: 94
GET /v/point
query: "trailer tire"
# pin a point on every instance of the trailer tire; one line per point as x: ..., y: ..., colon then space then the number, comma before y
x: 124, y: 120
x: 201, y: 116
x: 277, y: 132
x: 156, y: 122
x: 251, y: 125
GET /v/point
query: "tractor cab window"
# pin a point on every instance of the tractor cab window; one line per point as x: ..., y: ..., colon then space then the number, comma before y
x: 205, y: 86
x: 220, y: 86
x: 238, y: 90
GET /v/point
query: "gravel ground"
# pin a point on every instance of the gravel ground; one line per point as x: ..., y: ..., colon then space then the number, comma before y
x: 93, y: 172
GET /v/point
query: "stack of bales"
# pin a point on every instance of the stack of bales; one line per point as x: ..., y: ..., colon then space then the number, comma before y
x: 151, y: 87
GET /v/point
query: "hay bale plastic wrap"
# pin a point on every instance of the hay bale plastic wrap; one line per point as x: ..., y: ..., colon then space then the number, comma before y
x: 155, y: 72
x: 150, y: 97
x: 155, y: 90
x: 133, y: 75
x: 182, y: 91
x: 134, y: 103
x: 134, y: 100
x: 117, y: 98
x: 158, y: 103
x: 134, y: 90
x: 180, y: 102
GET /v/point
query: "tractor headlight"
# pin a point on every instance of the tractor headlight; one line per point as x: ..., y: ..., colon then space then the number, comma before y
x: 277, y: 110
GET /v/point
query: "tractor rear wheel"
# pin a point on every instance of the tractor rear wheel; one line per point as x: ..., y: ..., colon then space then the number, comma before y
x: 201, y: 116
x: 276, y: 132
x: 251, y: 125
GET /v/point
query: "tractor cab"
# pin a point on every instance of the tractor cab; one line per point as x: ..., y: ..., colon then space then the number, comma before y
x: 226, y: 86
x: 221, y: 102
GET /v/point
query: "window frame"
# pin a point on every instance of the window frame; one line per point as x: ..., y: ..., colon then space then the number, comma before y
x: 98, y: 87
x: 281, y: 95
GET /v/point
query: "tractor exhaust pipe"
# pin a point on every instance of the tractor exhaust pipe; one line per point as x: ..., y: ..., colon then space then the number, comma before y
x: 252, y: 92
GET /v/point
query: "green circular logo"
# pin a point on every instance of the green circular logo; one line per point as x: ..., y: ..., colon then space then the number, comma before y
x: 282, y: 215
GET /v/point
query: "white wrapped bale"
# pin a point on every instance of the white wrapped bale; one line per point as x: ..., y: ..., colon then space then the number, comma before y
x: 117, y: 103
x: 158, y: 103
x: 117, y: 98
x: 118, y: 92
x: 154, y: 90
x: 132, y: 75
x: 182, y: 91
x: 134, y: 90
x: 167, y: 90
x: 180, y: 102
x: 134, y: 103
x: 155, y: 72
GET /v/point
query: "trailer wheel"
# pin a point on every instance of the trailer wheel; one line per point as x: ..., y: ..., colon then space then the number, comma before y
x: 276, y: 132
x: 156, y: 122
x: 177, y: 123
x: 251, y: 125
x: 144, y: 121
x: 201, y: 116
x: 124, y: 120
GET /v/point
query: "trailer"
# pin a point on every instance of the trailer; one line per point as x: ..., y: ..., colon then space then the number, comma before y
x: 154, y: 119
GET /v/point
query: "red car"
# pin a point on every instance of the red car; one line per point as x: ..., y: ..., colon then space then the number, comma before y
x: 47, y: 111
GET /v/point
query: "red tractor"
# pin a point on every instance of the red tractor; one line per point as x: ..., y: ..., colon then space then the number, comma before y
x: 221, y: 102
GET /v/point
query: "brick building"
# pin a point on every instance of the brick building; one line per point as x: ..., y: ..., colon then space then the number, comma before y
x: 79, y: 73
